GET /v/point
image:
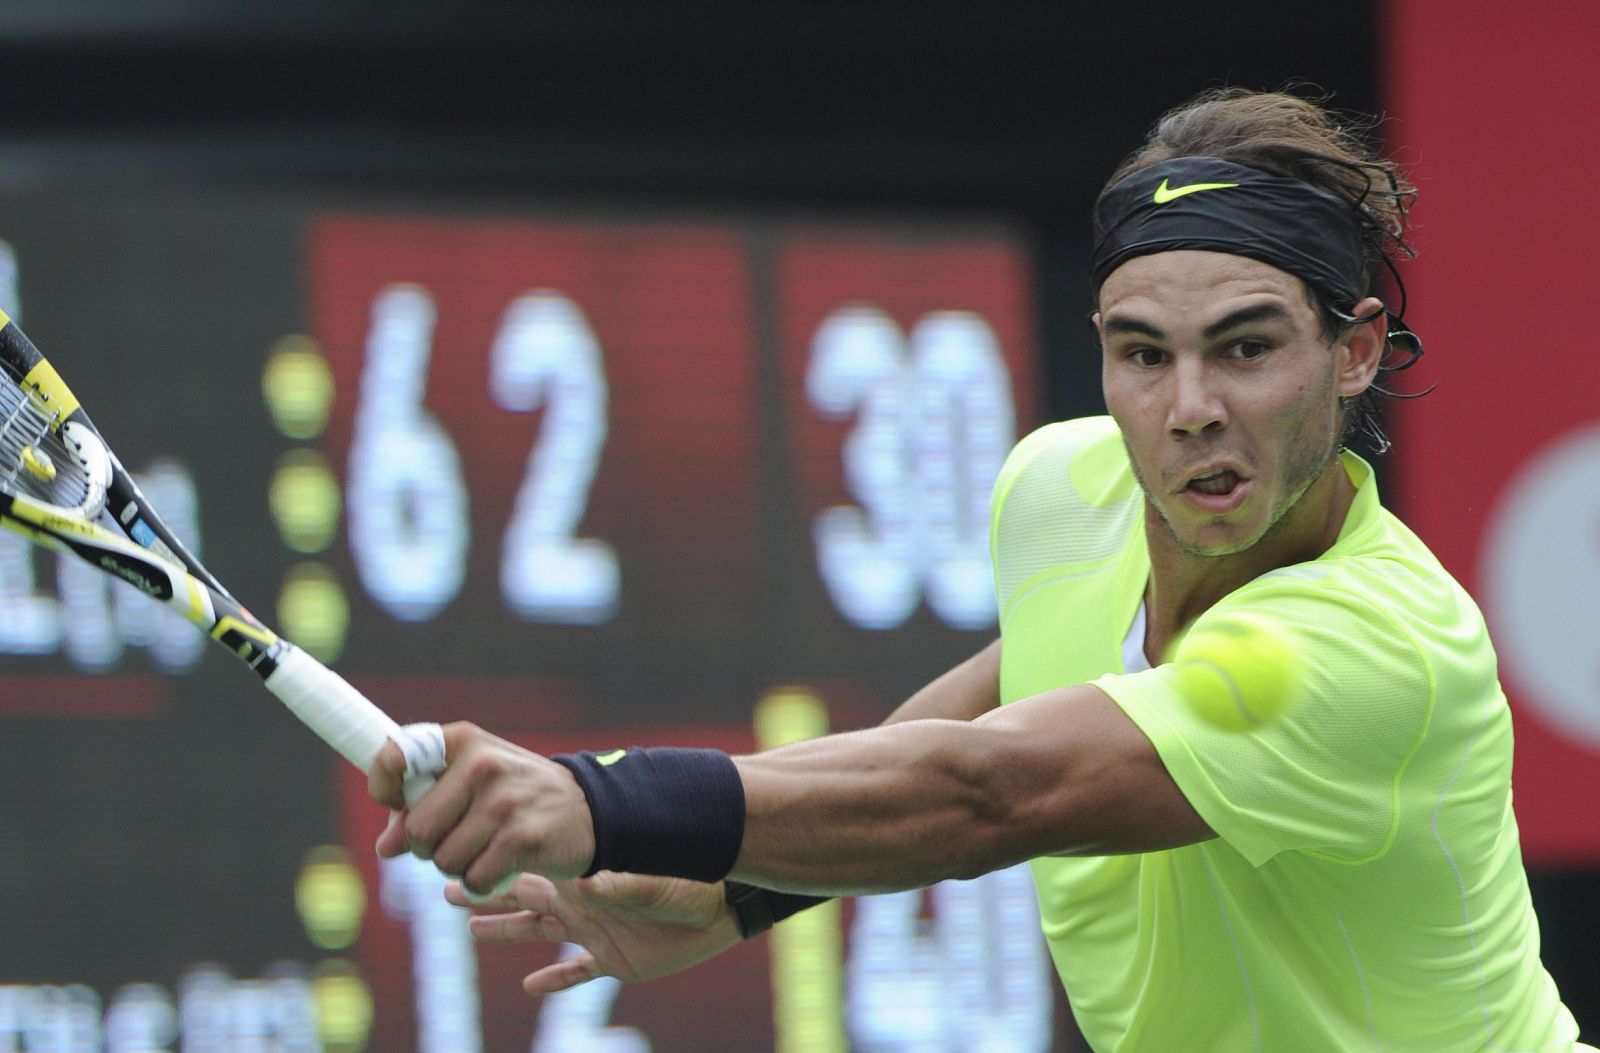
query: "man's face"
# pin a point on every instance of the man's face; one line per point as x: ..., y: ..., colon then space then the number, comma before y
x: 1226, y: 391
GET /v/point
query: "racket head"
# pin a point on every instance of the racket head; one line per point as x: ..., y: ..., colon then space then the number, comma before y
x: 49, y: 451
x: 56, y: 477
x: 67, y: 465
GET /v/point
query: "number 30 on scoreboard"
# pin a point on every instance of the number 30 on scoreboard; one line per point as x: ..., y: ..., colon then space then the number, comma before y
x: 934, y: 422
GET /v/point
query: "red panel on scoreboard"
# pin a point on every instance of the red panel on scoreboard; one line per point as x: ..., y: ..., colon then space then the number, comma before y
x: 1500, y: 467
x: 662, y: 310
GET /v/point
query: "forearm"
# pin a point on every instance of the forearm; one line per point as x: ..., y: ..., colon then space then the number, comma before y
x: 965, y: 692
x: 892, y: 807
x: 878, y: 810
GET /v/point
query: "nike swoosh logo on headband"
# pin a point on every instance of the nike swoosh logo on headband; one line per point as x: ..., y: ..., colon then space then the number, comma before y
x: 1163, y: 194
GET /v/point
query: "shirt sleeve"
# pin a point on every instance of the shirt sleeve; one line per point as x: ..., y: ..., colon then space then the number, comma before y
x: 1324, y: 776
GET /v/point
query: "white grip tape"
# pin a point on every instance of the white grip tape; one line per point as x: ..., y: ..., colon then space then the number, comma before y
x: 342, y: 716
x: 422, y: 745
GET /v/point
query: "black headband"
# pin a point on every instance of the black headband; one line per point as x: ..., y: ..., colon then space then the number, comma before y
x: 1209, y: 203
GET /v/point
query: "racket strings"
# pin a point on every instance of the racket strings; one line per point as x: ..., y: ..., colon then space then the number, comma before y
x: 34, y: 461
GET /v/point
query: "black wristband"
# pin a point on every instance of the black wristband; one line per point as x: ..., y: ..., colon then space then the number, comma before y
x: 758, y: 909
x: 672, y: 812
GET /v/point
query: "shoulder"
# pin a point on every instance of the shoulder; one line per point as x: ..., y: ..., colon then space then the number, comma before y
x: 1327, y: 773
x: 1383, y: 592
x: 1085, y: 455
x: 1356, y: 650
x: 1396, y: 663
x: 1067, y: 486
x: 1066, y: 496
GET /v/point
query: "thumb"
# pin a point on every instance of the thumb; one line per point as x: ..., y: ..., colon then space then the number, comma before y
x: 387, y: 776
x: 610, y: 887
x: 620, y: 889
x: 392, y: 842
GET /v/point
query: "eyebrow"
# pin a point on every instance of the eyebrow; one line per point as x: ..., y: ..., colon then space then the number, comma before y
x: 1266, y: 312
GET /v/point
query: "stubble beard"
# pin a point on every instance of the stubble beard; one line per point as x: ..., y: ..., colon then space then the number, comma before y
x: 1305, y: 465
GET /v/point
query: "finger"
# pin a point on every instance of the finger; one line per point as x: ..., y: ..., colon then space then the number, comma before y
x: 560, y: 976
x: 436, y: 815
x: 601, y: 885
x: 392, y: 841
x: 462, y: 844
x: 387, y: 775
x: 496, y: 863
x: 519, y: 927
x: 457, y: 896
x: 457, y: 736
x: 620, y: 889
x: 535, y: 892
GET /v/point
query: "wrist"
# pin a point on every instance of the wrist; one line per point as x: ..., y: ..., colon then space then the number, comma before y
x: 751, y: 910
x: 755, y: 910
x: 669, y: 812
x: 584, y: 847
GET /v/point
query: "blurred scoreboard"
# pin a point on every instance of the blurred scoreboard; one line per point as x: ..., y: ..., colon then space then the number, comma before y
x: 586, y: 479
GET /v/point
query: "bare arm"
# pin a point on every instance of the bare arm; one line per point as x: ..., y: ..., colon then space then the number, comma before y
x: 909, y: 804
x: 892, y: 807
x: 966, y: 692
x: 634, y: 926
x: 898, y: 806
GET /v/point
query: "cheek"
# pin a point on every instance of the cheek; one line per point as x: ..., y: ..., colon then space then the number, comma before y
x: 1308, y: 423
x: 1132, y: 419
x: 1108, y: 381
x: 1128, y: 402
x: 1320, y: 401
x: 1304, y: 397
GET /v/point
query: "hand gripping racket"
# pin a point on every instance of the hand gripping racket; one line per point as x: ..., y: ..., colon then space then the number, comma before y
x: 63, y: 488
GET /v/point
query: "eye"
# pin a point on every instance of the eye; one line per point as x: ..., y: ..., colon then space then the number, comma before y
x: 1248, y: 350
x: 1146, y: 356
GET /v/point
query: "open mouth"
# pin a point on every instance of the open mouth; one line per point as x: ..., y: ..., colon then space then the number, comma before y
x: 1217, y: 483
x: 1217, y: 492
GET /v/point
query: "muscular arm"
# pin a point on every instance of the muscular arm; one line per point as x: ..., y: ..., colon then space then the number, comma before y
x: 898, y: 806
x: 918, y: 801
x: 950, y: 785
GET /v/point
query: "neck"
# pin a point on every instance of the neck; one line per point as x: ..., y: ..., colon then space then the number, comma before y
x: 1184, y: 585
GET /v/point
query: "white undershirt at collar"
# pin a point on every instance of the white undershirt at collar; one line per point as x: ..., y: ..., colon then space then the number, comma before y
x: 1133, y: 659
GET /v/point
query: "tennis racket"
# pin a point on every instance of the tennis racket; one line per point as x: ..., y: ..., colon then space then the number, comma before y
x: 61, y: 487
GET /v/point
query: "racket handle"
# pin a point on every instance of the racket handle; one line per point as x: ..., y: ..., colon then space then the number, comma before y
x: 343, y: 717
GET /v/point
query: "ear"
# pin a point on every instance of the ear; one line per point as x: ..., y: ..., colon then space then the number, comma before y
x: 1361, y: 349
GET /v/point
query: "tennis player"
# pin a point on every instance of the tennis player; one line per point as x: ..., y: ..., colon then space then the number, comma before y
x: 1345, y: 877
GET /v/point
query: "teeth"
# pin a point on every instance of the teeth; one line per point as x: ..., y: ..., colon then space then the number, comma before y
x: 1217, y: 482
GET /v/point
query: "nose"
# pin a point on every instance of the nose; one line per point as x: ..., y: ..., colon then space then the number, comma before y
x: 1196, y: 405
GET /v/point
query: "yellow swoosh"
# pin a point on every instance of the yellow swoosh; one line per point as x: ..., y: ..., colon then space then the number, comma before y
x: 606, y: 760
x: 1163, y: 194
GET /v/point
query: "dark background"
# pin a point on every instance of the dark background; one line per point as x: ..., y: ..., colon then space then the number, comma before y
x: 1021, y: 108
x: 1016, y: 110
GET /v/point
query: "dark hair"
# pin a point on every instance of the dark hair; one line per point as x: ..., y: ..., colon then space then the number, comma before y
x: 1302, y: 139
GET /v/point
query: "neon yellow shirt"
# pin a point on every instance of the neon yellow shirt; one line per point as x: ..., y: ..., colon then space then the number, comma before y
x: 1365, y: 890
